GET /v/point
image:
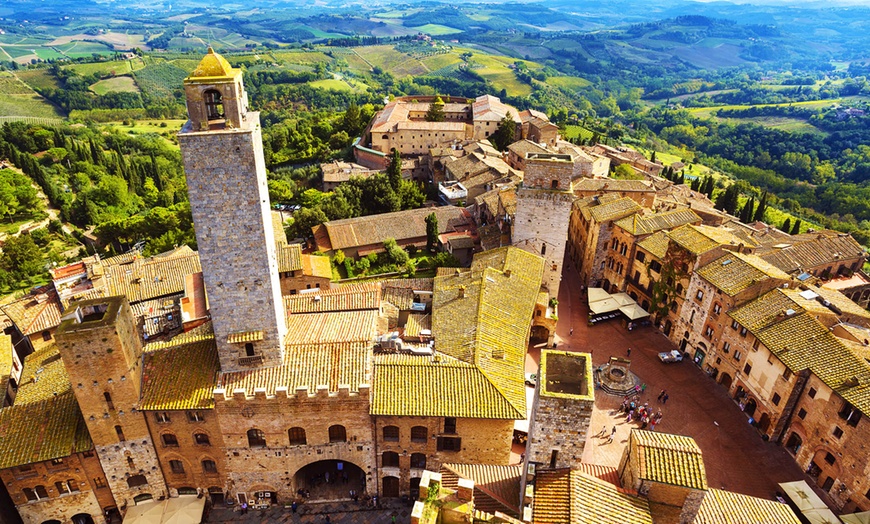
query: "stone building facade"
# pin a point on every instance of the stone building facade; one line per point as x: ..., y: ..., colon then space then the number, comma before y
x: 101, y: 350
x: 222, y: 149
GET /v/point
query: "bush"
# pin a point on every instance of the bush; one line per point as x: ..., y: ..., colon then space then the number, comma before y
x: 445, y: 259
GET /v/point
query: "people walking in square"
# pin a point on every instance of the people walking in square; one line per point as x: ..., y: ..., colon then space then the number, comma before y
x: 571, y: 332
x: 629, y: 352
x: 665, y: 399
x: 661, y: 395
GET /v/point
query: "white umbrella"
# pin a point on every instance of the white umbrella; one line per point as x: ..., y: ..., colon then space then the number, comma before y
x: 856, y: 518
x: 802, y: 495
x: 603, y: 306
x: 184, y: 510
x: 595, y: 294
x: 634, y: 312
x: 623, y: 299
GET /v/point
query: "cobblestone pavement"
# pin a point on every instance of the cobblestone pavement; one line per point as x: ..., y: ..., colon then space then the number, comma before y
x: 338, y: 512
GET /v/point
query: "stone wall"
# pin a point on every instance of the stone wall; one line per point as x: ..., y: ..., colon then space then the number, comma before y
x: 274, y: 467
x: 484, y: 441
x: 292, y: 285
x: 102, y: 358
x: 541, y: 227
x: 226, y: 182
x: 61, y: 508
x: 184, y: 426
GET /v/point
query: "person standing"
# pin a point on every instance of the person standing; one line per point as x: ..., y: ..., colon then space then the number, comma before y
x: 665, y: 399
x: 244, y: 508
x: 628, y: 352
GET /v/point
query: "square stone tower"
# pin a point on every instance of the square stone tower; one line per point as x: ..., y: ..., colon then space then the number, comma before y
x: 561, y: 412
x: 102, y: 353
x: 544, y: 212
x: 222, y: 149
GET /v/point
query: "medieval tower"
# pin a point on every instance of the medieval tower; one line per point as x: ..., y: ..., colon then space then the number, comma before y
x: 544, y: 211
x: 102, y: 353
x: 221, y: 145
x: 562, y: 410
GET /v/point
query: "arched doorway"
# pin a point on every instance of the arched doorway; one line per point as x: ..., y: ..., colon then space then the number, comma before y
x: 539, y: 334
x: 51, y: 522
x: 415, y: 488
x: 750, y: 407
x: 725, y: 380
x: 390, y: 487
x: 668, y: 326
x: 764, y: 422
x: 330, y: 480
x: 82, y: 518
x: 216, y: 494
x: 794, y: 443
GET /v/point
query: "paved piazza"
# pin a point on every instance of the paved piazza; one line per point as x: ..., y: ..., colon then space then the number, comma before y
x: 735, y: 457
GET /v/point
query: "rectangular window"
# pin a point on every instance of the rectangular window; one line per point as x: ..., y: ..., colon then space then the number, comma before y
x: 830, y: 459
x: 726, y: 346
x: 811, y: 393
x: 747, y: 368
x: 737, y: 355
x: 775, y: 399
x: 734, y: 325
x: 162, y: 417
x: 717, y: 309
x: 743, y: 331
x: 655, y: 266
x: 56, y: 462
x: 176, y: 466
x: 786, y: 375
x: 99, y: 482
x: 838, y: 432
x: 449, y: 444
x: 850, y: 414
x: 640, y: 256
x: 450, y: 425
x: 700, y: 295
x: 802, y: 413
x: 755, y: 344
x: 708, y: 332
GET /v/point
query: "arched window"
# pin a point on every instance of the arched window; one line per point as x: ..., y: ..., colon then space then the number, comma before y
x: 176, y: 466
x: 419, y: 434
x: 390, y: 459
x: 30, y: 494
x: 391, y: 433
x: 214, y: 105
x: 62, y: 488
x: 187, y: 491
x: 143, y: 497
x: 73, y: 485
x: 418, y: 460
x: 137, y: 480
x: 297, y: 436
x: 209, y: 467
x: 201, y: 439
x: 169, y: 440
x: 256, y: 438
x: 554, y: 184
x: 109, y: 403
x: 337, y: 433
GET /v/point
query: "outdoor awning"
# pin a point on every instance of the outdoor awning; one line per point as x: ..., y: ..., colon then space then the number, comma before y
x: 186, y: 509
x: 856, y: 518
x: 633, y: 311
x: 623, y: 299
x: 811, y: 506
x: 603, y: 306
x: 596, y: 294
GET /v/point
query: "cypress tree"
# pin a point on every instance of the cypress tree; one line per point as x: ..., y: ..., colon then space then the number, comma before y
x: 762, y: 207
x: 786, y: 226
x: 797, y: 227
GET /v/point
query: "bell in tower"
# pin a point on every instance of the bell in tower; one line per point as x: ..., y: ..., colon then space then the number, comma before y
x: 216, y: 98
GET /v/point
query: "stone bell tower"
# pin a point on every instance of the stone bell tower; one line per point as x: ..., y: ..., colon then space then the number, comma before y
x: 222, y: 149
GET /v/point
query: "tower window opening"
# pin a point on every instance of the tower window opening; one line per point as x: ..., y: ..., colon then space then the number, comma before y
x: 214, y: 105
x: 249, y: 349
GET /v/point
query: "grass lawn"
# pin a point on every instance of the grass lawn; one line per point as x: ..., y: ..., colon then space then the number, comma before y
x: 300, y: 57
x: 572, y: 131
x: 437, y: 29
x: 573, y: 83
x: 122, y: 84
x: 333, y: 84
x: 792, y: 125
x: 110, y: 68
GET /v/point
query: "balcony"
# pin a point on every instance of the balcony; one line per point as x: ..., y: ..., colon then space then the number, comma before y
x: 254, y: 360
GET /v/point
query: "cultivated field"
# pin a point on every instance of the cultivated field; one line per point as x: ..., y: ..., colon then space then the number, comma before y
x: 122, y: 84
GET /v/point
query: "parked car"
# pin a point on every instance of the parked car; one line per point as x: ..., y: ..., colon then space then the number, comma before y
x: 671, y: 356
x: 531, y: 379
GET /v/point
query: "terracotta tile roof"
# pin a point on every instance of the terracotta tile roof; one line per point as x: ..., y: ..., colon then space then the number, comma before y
x: 278, y: 228
x: 822, y: 248
x: 453, y: 389
x: 289, y: 257
x: 144, y: 279
x: 734, y: 272
x: 310, y: 365
x: 612, y: 184
x: 400, y: 291
x: 401, y: 225
x: 642, y: 225
x: 59, y: 273
x: 726, y: 507
x: 700, y: 239
x: 485, y: 332
x: 605, y: 473
x: 180, y: 374
x: 490, y: 236
x: 353, y: 297
x: 524, y: 146
x: 416, y: 323
x: 669, y: 459
x: 35, y: 313
x: 496, y: 488
x: 45, y: 422
x: 489, y: 108
x: 656, y: 244
x: 241, y: 337
x: 508, y: 200
x: 613, y: 210
x: 564, y: 496
x: 345, y: 326
x: 317, y: 266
